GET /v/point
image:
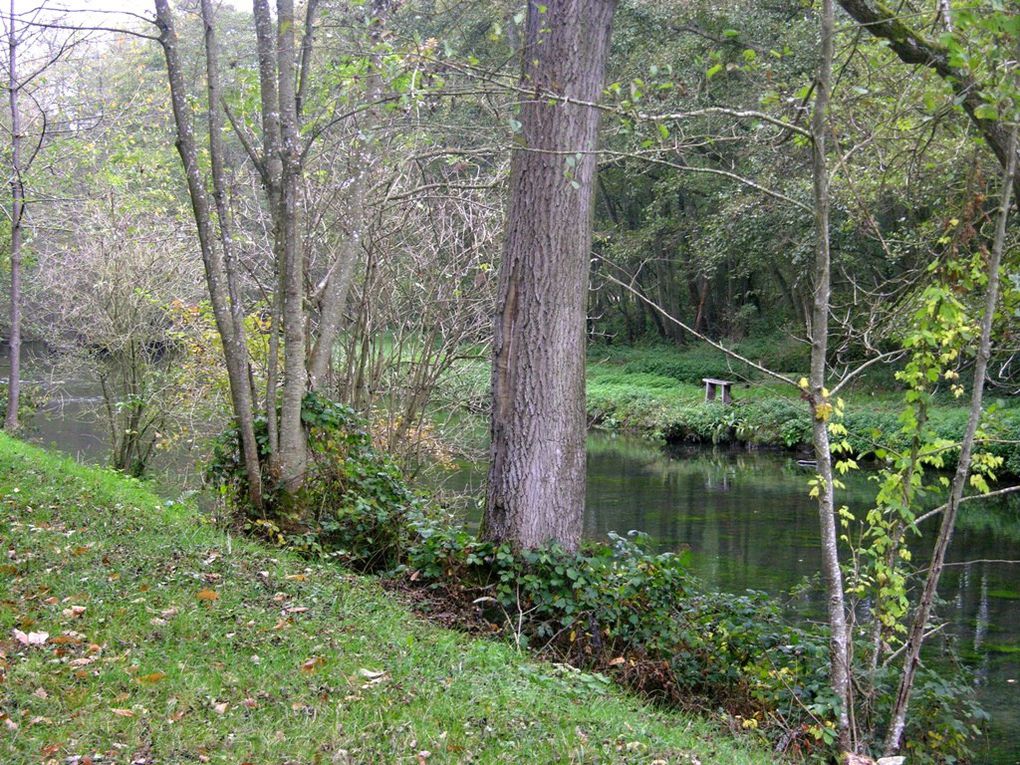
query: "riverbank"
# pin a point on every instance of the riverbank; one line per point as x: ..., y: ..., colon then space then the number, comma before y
x: 657, y: 393
x: 141, y: 631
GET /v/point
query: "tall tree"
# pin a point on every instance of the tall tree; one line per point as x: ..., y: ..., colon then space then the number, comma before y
x: 29, y: 31
x: 817, y: 393
x: 537, y: 459
x: 17, y: 219
x: 212, y: 258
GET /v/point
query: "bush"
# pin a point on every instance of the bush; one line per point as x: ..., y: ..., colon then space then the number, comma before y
x: 31, y: 400
x: 618, y: 608
x: 353, y: 505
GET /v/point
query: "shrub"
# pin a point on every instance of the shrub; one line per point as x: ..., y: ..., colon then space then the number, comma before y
x: 354, y: 503
x: 619, y: 608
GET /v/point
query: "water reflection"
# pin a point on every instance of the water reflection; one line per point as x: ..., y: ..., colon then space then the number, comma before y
x: 749, y: 523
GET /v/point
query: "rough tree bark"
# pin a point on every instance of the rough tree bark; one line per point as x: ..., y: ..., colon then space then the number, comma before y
x: 915, y: 639
x: 17, y: 218
x: 839, y: 656
x: 537, y: 458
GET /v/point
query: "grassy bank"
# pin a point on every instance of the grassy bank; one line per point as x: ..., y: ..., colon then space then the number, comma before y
x: 657, y: 392
x: 169, y: 641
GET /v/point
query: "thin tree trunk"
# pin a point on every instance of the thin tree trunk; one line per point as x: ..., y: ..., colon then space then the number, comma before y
x: 912, y: 654
x: 271, y: 169
x: 839, y: 671
x: 336, y: 288
x: 216, y: 279
x: 237, y: 355
x: 537, y: 459
x: 17, y: 217
x: 293, y: 449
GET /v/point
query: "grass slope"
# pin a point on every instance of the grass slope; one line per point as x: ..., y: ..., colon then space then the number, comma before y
x: 171, y: 642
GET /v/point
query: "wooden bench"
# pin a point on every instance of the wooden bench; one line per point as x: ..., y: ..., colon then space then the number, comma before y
x: 712, y: 386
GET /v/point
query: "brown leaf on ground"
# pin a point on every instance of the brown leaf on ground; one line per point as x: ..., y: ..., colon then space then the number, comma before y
x: 312, y: 664
x: 208, y: 595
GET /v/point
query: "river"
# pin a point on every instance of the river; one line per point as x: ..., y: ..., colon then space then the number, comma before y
x: 748, y: 523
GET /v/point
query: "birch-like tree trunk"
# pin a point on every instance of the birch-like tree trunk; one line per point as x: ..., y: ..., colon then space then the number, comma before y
x: 17, y: 218
x: 915, y: 639
x: 839, y: 639
x: 536, y: 480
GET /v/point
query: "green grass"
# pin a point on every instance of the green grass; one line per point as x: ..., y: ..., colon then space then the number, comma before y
x: 289, y: 661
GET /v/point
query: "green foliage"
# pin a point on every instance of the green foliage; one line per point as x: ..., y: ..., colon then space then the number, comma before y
x: 229, y: 679
x: 620, y: 609
x: 30, y: 401
x: 353, y: 504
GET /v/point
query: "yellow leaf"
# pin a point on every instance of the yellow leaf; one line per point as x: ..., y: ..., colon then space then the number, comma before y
x: 209, y: 595
x: 151, y: 678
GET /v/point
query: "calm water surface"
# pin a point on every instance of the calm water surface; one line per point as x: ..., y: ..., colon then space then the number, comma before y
x: 749, y: 523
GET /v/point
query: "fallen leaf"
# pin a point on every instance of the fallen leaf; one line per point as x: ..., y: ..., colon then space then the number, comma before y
x: 40, y: 693
x: 296, y: 577
x: 169, y: 613
x: 152, y: 678
x: 312, y: 664
x: 122, y: 712
x: 208, y: 595
x: 73, y: 612
x: 221, y: 708
x: 32, y: 638
x: 371, y: 674
x: 617, y: 661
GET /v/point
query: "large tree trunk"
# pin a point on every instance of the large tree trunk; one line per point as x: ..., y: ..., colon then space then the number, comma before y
x: 17, y: 216
x: 537, y: 460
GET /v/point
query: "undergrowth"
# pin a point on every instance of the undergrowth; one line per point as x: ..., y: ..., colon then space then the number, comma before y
x: 614, y: 608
